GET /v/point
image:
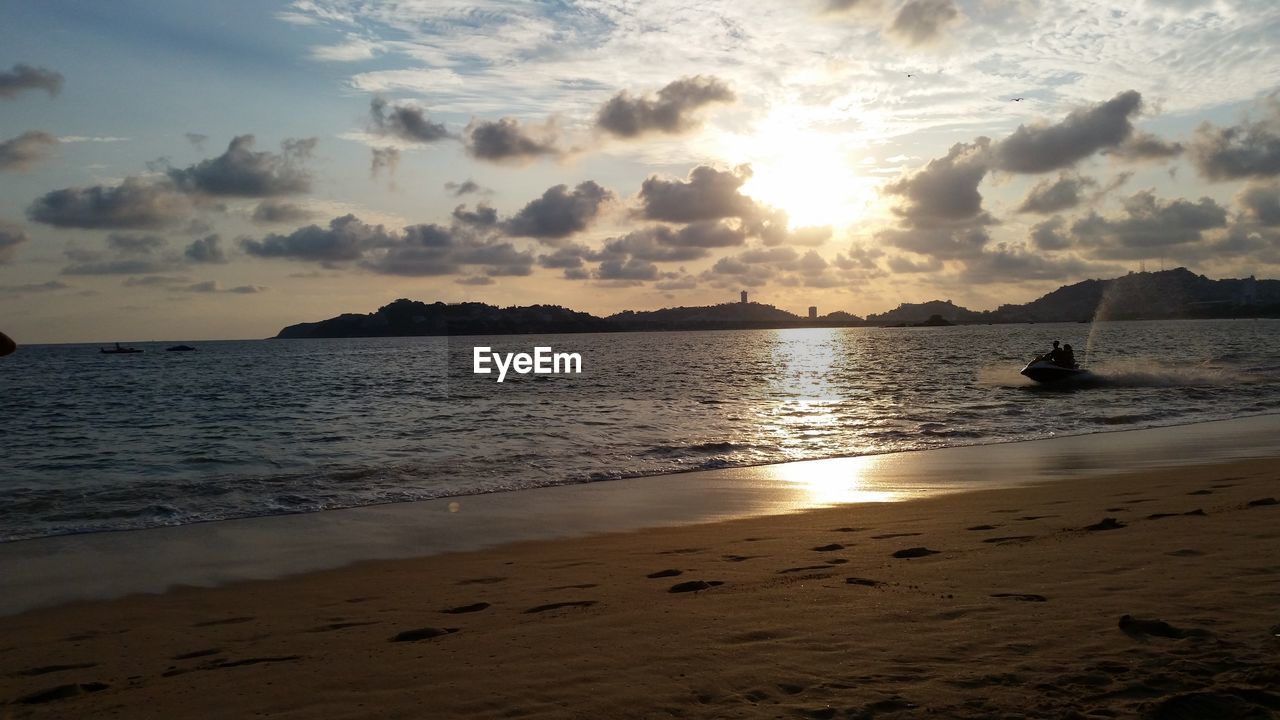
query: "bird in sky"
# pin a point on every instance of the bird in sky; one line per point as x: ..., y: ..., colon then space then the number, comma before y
x: 1018, y: 99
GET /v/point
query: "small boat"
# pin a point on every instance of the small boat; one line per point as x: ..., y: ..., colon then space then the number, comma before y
x: 1043, y: 370
x: 179, y: 348
x: 118, y: 350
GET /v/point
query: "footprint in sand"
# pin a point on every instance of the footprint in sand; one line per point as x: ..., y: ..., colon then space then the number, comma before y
x: 915, y: 552
x: 803, y: 568
x: 887, y: 536
x: 1185, y: 552
x: 46, y: 669
x: 560, y: 605
x: 1201, y: 492
x: 739, y: 558
x: 828, y: 548
x: 694, y: 586
x: 197, y: 654
x: 983, y: 527
x: 1263, y: 502
x: 474, y: 607
x: 864, y: 582
x: 341, y: 626
x: 426, y: 633
x: 481, y: 581
x: 1109, y: 523
x: 1010, y: 539
x: 582, y: 586
x: 1190, y: 513
x: 848, y: 529
x: 62, y: 692
x: 1140, y: 628
x: 665, y: 573
x: 1037, y: 517
x: 1023, y: 597
x: 225, y: 621
x: 837, y: 561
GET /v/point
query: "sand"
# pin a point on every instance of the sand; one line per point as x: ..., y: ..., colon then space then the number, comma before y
x: 1152, y: 594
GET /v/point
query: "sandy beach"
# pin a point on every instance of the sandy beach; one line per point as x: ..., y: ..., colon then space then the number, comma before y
x: 1147, y: 594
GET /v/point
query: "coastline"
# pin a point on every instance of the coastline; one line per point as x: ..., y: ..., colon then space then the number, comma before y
x: 981, y: 604
x: 99, y: 566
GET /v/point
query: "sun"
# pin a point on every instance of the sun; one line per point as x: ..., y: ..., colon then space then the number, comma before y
x: 808, y: 174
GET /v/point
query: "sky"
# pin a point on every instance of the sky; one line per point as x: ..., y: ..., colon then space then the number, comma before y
x: 194, y: 170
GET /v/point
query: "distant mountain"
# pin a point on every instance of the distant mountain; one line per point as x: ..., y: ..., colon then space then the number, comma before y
x: 413, y: 318
x: 911, y: 313
x: 724, y: 316
x: 1177, y: 293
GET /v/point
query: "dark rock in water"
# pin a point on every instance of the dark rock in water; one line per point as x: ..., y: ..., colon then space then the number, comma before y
x: 422, y: 634
x: 62, y: 692
x: 1105, y: 524
x: 1263, y: 502
x: 1225, y: 705
x: 915, y: 552
x: 694, y: 586
x: 1136, y: 627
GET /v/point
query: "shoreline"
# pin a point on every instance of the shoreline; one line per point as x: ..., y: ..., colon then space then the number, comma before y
x: 55, y: 570
x: 1140, y: 593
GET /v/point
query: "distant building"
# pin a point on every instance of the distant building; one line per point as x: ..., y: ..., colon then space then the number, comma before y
x: 813, y: 312
x: 744, y: 297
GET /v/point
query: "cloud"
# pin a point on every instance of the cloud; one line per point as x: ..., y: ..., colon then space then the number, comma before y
x: 135, y: 244
x: 353, y: 49
x: 1014, y: 263
x: 279, y: 211
x: 139, y: 265
x: 922, y: 22
x: 212, y: 286
x: 25, y: 77
x: 945, y: 192
x: 631, y: 270
x: 482, y: 217
x: 466, y: 187
x: 1143, y: 146
x: 196, y: 139
x: 846, y: 6
x: 207, y: 249
x: 1149, y: 227
x: 432, y: 250
x: 50, y: 286
x: 903, y: 265
x: 1049, y: 235
x: 1044, y: 148
x: 560, y: 212
x: 241, y: 172
x: 707, y: 194
x: 1051, y: 196
x: 21, y: 152
x: 475, y: 280
x: 507, y: 140
x: 11, y: 236
x: 1248, y: 150
x: 564, y: 258
x: 345, y: 239
x: 1261, y: 203
x: 387, y: 159
x: 943, y: 243
x: 404, y: 122
x: 656, y: 244
x: 671, y: 111
x: 133, y: 204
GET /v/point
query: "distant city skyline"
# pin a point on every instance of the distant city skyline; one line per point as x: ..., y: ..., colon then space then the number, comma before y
x: 183, y: 170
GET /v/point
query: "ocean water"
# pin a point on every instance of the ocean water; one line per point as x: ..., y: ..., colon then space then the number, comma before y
x: 94, y: 442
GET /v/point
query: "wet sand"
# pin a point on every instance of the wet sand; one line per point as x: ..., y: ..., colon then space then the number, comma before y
x: 1148, y: 594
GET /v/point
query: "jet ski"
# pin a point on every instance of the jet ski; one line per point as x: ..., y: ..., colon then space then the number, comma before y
x: 1043, y: 370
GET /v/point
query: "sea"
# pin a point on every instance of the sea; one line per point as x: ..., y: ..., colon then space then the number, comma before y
x: 95, y: 442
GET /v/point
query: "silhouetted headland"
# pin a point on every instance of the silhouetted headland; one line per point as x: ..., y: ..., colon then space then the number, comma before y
x: 1164, y: 295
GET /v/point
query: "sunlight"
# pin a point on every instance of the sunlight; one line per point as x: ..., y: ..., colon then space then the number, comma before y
x: 807, y: 173
x: 834, y: 482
